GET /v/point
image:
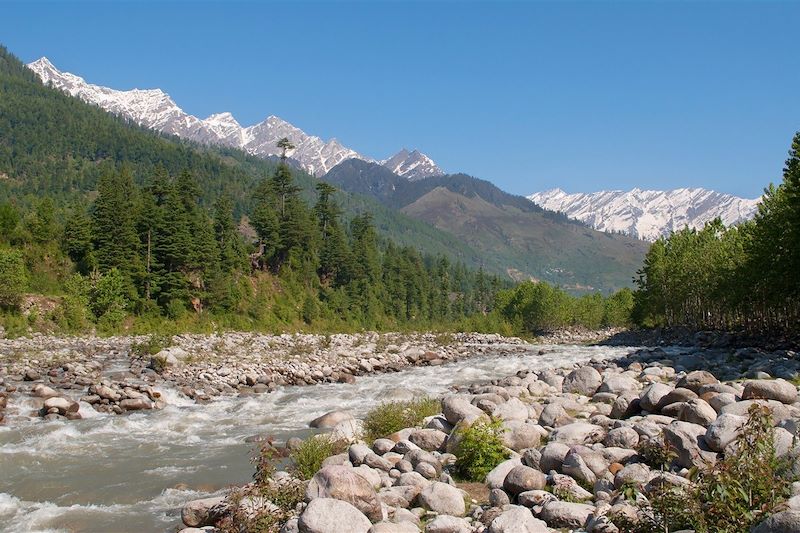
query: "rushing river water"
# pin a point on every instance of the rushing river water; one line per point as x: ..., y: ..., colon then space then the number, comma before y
x: 116, y: 474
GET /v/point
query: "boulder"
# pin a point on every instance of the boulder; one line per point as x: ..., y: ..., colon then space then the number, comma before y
x: 698, y: 412
x: 779, y: 411
x: 136, y: 404
x: 517, y: 519
x: 566, y: 514
x: 429, y: 439
x: 578, y: 433
x: 770, y: 389
x: 688, y: 441
x: 63, y: 405
x: 443, y: 499
x: 204, y: 512
x: 394, y: 527
x: 622, y: 437
x: 652, y: 395
x: 553, y: 455
x: 513, y: 409
x: 723, y: 431
x: 344, y: 483
x: 520, y: 435
x: 327, y: 515
x: 457, y: 408
x: 677, y: 395
x: 783, y: 522
x: 618, y: 384
x: 524, y: 478
x: 497, y: 476
x: 329, y: 420
x: 696, y: 379
x: 447, y: 524
x: 584, y: 380
x: 553, y: 415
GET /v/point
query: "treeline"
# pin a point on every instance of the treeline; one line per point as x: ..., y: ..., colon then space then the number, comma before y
x: 153, y: 251
x: 531, y: 308
x: 744, y: 277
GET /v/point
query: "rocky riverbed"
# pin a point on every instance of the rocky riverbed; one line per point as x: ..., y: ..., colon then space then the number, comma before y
x: 74, y: 377
x: 575, y: 437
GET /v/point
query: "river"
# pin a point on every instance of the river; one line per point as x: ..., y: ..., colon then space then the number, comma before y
x: 119, y: 474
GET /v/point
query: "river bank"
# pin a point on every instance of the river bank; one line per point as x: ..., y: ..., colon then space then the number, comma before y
x: 578, y: 439
x: 72, y: 377
x: 108, y: 473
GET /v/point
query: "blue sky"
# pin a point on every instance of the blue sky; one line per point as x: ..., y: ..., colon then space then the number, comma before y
x: 583, y: 96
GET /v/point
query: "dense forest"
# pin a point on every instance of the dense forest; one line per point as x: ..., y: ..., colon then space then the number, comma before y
x: 744, y: 277
x: 154, y: 251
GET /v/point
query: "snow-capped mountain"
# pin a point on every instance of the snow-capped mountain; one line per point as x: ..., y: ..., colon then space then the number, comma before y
x: 153, y: 108
x: 413, y: 165
x: 648, y: 214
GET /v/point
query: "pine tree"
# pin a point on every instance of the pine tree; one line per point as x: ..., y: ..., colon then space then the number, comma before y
x: 333, y: 249
x: 113, y: 225
x: 77, y: 240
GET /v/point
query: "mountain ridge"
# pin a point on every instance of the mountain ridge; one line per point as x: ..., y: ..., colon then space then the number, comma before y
x: 648, y: 214
x: 154, y: 108
x: 513, y: 234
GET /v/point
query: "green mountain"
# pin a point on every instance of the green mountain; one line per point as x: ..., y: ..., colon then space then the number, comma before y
x: 56, y: 145
x: 513, y: 235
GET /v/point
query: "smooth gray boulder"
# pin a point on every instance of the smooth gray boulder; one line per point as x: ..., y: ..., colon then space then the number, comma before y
x: 517, y: 519
x: 496, y: 477
x: 443, y: 499
x: 345, y: 484
x: 522, y: 479
x: 329, y: 420
x: 203, y: 512
x: 328, y: 515
x: 770, y: 389
x: 783, y: 522
x: 697, y: 379
x: 723, y: 431
x: 698, y: 411
x: 584, y: 380
x: 688, y: 441
x: 447, y: 524
x: 567, y: 514
x: 457, y: 408
x: 651, y: 395
x: 578, y: 433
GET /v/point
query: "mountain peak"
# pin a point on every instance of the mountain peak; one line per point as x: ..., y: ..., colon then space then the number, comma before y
x: 648, y: 214
x: 413, y: 165
x: 154, y: 109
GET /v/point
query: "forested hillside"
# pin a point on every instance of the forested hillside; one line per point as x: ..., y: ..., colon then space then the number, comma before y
x: 514, y: 235
x: 55, y: 145
x: 742, y: 277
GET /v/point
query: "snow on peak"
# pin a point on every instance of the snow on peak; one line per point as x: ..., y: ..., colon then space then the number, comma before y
x: 413, y: 165
x: 648, y: 214
x: 154, y: 109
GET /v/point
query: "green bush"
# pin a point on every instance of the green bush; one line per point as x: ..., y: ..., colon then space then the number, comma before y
x: 738, y: 492
x: 250, y: 507
x: 389, y: 417
x: 479, y: 450
x: 13, y: 278
x: 308, y: 457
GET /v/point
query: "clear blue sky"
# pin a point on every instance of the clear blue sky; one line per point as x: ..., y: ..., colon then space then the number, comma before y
x: 529, y: 95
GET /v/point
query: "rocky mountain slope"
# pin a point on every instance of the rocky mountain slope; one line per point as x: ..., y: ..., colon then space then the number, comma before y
x: 513, y: 234
x: 647, y: 214
x: 153, y: 108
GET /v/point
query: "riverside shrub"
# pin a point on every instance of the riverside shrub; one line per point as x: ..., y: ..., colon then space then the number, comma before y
x: 480, y: 450
x: 390, y: 417
x: 737, y: 493
x: 308, y: 457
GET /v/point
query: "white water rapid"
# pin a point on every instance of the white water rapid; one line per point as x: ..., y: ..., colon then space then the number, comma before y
x: 132, y: 473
